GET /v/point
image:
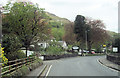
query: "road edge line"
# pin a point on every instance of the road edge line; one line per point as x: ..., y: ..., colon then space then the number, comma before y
x: 42, y: 70
x: 98, y: 60
x: 48, y: 71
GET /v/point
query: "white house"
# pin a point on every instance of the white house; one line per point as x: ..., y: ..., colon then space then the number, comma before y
x: 63, y: 44
x: 28, y: 51
x: 43, y: 44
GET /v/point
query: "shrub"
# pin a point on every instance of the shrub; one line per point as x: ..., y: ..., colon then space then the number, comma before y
x: 54, y: 50
x: 4, y: 59
x: 15, y: 55
x: 25, y: 70
x: 11, y: 43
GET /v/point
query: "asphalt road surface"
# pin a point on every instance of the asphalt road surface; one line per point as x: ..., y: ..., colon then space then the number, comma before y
x: 79, y: 66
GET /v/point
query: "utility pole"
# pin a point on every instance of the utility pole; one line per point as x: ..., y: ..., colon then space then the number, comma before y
x: 0, y: 43
x: 86, y: 36
x: 86, y: 39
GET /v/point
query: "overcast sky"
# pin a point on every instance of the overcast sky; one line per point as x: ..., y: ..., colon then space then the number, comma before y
x: 106, y: 10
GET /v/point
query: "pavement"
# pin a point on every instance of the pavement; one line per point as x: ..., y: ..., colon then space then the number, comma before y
x: 37, y: 72
x: 109, y: 64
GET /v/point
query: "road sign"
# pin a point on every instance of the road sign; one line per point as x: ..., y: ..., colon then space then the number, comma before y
x: 115, y: 49
x: 104, y: 45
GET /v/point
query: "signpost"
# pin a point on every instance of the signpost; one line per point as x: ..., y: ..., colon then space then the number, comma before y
x: 104, y: 45
x: 105, y: 48
x: 115, y: 49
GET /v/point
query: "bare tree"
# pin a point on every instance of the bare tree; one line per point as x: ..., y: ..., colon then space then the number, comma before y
x: 69, y: 36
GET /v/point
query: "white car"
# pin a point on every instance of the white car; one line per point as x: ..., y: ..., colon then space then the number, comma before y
x: 85, y: 51
x: 79, y: 53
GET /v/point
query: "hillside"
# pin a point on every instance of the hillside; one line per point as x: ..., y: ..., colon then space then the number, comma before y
x: 111, y: 33
x: 57, y: 26
x: 57, y: 19
x: 58, y: 23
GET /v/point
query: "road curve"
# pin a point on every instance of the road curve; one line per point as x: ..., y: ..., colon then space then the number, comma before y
x: 80, y: 66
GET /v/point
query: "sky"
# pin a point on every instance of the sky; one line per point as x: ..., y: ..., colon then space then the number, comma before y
x: 105, y: 10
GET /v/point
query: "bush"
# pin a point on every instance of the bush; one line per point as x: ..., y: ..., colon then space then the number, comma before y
x: 11, y: 43
x: 24, y: 70
x: 99, y: 50
x: 16, y: 55
x: 54, y: 50
x: 4, y: 59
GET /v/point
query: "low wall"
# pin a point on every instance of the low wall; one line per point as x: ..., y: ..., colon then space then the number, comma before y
x: 114, y: 57
x: 53, y: 57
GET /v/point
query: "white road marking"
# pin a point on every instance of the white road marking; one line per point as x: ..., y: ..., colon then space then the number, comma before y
x: 48, y: 71
x: 106, y: 66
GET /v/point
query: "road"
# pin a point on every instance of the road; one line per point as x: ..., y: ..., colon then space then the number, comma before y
x: 79, y: 66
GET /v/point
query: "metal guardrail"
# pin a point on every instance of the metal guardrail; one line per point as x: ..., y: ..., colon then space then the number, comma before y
x: 15, y: 64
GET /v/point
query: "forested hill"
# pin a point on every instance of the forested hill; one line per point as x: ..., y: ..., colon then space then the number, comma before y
x: 57, y: 25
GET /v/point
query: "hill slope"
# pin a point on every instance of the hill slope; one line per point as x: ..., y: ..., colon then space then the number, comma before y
x: 57, y: 19
x: 57, y: 26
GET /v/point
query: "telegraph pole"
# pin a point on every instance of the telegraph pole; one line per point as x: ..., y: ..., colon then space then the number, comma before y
x: 0, y: 43
x: 86, y: 39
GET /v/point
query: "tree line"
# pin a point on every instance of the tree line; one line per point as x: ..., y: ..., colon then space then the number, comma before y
x: 89, y: 33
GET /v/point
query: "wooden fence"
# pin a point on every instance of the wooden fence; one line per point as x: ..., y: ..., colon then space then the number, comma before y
x: 15, y: 64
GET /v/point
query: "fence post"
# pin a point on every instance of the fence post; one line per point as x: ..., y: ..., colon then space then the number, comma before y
x: 0, y: 70
x: 0, y: 40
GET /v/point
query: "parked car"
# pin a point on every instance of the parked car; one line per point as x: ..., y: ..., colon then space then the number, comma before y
x: 85, y: 51
x: 93, y: 52
x: 79, y: 53
x: 75, y: 48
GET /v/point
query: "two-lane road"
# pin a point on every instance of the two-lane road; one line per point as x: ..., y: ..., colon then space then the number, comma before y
x: 80, y: 66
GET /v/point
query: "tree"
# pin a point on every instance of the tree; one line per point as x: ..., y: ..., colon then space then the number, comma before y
x: 27, y: 21
x: 69, y: 36
x: 79, y: 30
x: 90, y: 31
x: 79, y: 27
x: 96, y: 33
x: 57, y: 33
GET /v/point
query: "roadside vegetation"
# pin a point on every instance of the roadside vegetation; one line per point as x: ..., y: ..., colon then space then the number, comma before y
x: 24, y: 69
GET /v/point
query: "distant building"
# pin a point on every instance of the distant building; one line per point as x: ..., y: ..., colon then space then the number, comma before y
x: 63, y: 44
x: 28, y: 51
x: 43, y: 44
